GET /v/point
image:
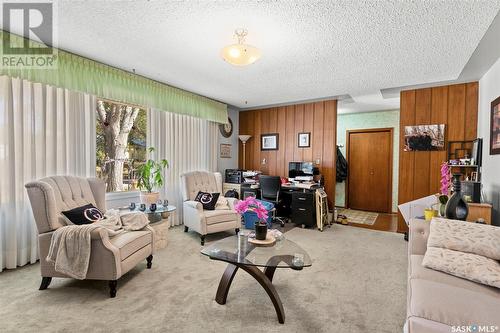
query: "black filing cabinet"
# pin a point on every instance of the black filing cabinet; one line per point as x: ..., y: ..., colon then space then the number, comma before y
x: 303, y: 209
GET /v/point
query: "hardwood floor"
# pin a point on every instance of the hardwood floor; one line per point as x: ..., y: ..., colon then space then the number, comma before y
x: 384, y: 222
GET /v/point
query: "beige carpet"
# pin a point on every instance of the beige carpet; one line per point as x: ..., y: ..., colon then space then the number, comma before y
x: 357, y: 284
x: 358, y: 216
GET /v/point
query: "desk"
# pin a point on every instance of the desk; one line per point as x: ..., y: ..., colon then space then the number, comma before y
x: 299, y: 203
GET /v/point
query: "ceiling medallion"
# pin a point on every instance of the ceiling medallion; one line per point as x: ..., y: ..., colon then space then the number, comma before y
x: 240, y: 54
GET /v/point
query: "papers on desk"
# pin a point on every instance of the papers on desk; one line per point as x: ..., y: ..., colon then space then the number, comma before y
x: 249, y: 173
x: 306, y: 186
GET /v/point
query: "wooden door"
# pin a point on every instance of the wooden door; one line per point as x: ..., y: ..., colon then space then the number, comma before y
x: 369, y: 157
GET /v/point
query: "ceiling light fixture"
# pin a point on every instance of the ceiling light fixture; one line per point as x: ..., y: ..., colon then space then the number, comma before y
x: 240, y: 54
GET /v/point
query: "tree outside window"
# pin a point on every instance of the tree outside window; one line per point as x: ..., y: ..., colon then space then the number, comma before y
x: 121, y: 144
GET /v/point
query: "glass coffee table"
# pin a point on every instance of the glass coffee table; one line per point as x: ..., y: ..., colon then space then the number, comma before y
x: 239, y: 253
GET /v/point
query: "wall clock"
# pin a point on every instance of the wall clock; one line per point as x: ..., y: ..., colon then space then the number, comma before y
x: 226, y: 129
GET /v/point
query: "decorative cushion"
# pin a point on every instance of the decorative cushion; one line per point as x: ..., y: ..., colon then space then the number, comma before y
x: 84, y: 214
x: 465, y: 265
x: 208, y: 200
x: 464, y: 236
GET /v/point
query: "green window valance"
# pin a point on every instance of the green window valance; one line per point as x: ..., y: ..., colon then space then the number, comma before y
x: 81, y: 74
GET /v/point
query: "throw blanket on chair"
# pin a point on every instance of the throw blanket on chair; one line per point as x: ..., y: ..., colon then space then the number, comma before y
x: 71, y: 245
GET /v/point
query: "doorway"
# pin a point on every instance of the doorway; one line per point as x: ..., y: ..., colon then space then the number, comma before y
x: 369, y: 157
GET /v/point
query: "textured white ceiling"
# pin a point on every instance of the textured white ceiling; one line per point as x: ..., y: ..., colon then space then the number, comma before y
x: 311, y: 49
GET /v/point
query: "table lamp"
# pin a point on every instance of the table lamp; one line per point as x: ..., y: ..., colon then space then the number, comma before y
x: 244, y: 139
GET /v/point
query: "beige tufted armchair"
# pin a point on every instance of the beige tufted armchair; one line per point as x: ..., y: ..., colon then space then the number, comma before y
x: 206, y: 221
x: 110, y: 258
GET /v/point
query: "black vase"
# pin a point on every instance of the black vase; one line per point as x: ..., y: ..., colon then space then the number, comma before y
x: 456, y: 207
x: 260, y: 231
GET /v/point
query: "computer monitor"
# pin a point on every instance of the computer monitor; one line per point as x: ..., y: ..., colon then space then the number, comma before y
x: 300, y: 169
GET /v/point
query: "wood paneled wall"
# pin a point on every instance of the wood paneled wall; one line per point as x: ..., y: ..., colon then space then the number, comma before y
x: 456, y: 106
x: 319, y: 118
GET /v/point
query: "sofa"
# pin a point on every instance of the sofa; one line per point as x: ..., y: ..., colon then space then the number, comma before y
x: 206, y: 221
x: 111, y: 257
x: 439, y: 302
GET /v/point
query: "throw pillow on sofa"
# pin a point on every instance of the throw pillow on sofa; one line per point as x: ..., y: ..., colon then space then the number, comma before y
x: 84, y: 214
x: 208, y: 200
x: 464, y: 249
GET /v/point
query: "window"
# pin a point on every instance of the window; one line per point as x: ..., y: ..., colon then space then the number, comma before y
x: 121, y: 144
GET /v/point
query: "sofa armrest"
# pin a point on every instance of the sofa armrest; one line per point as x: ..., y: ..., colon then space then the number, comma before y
x: 419, y: 233
x: 194, y: 204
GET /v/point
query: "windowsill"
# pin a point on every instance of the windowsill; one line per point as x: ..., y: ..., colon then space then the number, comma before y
x: 122, y: 195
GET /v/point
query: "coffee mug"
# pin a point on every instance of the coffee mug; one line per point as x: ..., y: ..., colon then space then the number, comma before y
x: 142, y: 207
x: 152, y: 207
x: 132, y: 206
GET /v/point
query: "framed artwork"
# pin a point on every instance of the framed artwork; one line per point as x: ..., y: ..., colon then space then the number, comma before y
x: 495, y: 127
x: 269, y: 141
x: 225, y: 150
x: 424, y: 137
x: 304, y: 140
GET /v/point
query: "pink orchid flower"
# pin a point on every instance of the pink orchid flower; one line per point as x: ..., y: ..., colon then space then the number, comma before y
x: 251, y: 204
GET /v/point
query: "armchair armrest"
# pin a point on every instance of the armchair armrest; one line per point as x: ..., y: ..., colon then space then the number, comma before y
x: 194, y: 204
x: 232, y: 202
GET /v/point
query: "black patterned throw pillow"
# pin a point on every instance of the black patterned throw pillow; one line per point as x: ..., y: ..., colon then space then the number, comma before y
x: 84, y: 215
x: 208, y: 200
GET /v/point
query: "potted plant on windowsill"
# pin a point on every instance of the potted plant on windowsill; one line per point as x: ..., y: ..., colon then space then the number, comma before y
x: 150, y: 178
x: 251, y: 204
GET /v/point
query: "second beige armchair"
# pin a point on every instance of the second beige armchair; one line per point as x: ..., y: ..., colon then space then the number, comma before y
x: 206, y: 221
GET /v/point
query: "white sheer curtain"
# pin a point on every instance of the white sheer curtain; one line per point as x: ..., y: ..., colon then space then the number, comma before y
x: 43, y: 131
x: 188, y: 143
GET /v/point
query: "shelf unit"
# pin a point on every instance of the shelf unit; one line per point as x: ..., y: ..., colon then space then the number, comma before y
x: 463, y: 149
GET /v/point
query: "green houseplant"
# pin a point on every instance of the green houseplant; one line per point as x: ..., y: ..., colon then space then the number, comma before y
x: 150, y: 178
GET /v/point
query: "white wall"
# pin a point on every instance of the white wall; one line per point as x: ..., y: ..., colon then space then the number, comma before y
x: 489, y: 90
x: 230, y: 163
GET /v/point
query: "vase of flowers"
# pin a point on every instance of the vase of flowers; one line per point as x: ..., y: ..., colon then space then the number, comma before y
x: 445, y: 188
x: 251, y: 204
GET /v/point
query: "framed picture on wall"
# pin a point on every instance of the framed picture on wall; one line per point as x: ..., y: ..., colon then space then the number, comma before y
x: 225, y: 150
x: 304, y: 140
x: 269, y: 141
x: 424, y: 137
x: 495, y: 127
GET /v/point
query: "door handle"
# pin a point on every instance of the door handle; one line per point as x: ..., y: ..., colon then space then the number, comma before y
x: 303, y: 199
x: 302, y: 209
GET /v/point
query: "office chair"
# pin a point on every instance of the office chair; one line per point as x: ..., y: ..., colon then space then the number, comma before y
x: 270, y: 187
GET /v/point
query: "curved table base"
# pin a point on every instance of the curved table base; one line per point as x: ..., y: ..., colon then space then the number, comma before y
x: 263, y: 279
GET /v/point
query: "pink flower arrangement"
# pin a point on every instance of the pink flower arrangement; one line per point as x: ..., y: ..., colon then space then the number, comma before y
x: 445, y: 179
x: 251, y: 204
